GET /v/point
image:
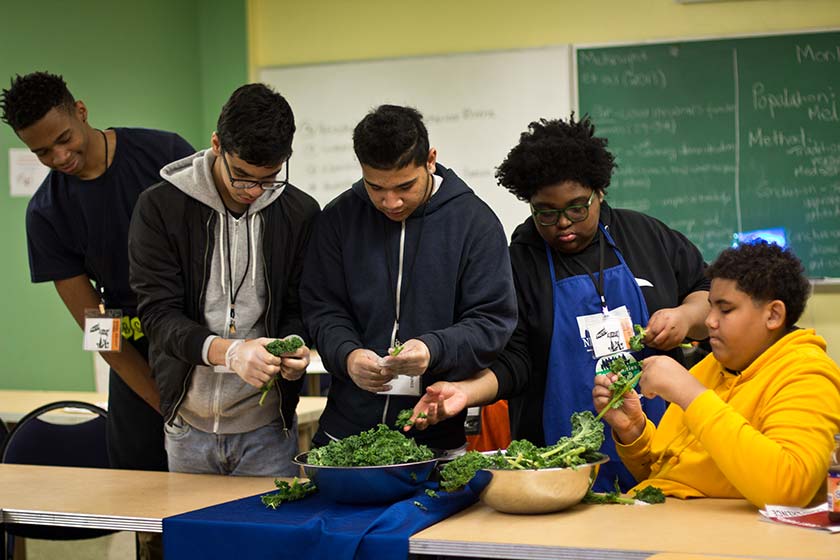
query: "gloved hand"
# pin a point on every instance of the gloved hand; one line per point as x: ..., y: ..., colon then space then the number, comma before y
x: 252, y: 362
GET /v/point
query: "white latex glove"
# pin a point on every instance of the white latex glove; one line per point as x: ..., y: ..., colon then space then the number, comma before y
x: 252, y: 362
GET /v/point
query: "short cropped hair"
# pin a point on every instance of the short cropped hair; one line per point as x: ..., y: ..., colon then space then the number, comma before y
x: 257, y: 125
x: 765, y: 272
x: 32, y: 96
x: 391, y: 137
x: 554, y: 151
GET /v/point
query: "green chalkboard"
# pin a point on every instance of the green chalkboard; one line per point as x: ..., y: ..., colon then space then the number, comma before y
x: 725, y: 136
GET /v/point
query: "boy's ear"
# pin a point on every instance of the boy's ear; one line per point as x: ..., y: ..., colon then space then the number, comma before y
x: 777, y: 314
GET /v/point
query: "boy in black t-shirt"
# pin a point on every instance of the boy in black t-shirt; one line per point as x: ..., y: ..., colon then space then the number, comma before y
x: 77, y: 231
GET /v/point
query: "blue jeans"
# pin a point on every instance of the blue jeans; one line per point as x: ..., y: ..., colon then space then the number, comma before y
x: 266, y: 451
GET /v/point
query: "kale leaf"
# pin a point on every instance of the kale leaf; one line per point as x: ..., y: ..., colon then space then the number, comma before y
x: 288, y: 492
x: 650, y: 494
x: 404, y: 418
x: 279, y: 347
x: 578, y: 449
x: 375, y: 447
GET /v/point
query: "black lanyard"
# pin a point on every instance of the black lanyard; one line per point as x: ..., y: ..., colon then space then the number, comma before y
x: 234, y: 293
x: 599, y: 283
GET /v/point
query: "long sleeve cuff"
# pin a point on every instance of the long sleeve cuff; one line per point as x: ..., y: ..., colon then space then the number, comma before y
x: 432, y: 342
x: 205, y: 349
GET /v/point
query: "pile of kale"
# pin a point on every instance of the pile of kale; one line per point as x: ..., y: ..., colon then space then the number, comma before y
x: 375, y: 447
x: 578, y: 449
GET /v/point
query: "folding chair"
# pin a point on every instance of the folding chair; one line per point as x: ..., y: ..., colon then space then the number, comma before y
x: 36, y: 441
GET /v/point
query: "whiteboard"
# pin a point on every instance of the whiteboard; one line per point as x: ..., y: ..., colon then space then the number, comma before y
x: 475, y: 106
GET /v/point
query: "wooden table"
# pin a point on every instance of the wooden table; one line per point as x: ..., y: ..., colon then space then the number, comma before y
x: 677, y: 530
x: 14, y: 405
x: 115, y: 499
x: 690, y: 529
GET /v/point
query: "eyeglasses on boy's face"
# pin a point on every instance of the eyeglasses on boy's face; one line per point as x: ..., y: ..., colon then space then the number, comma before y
x: 574, y: 213
x: 244, y: 184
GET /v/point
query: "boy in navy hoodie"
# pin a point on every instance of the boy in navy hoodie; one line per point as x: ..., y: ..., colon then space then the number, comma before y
x: 408, y: 253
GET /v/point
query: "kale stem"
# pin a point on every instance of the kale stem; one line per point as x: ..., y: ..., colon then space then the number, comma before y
x: 618, y: 395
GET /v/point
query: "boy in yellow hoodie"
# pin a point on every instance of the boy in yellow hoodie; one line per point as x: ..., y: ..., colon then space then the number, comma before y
x: 756, y: 418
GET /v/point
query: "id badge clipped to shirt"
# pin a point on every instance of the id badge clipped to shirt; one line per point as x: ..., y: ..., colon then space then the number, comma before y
x: 607, y: 333
x: 610, y: 335
x: 103, y: 330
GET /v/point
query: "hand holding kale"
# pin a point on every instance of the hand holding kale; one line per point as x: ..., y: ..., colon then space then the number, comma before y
x: 279, y: 347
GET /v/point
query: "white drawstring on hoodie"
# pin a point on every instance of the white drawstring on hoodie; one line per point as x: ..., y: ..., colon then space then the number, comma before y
x: 253, y: 249
x: 222, y: 221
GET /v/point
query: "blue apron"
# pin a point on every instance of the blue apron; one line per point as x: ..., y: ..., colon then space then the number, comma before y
x: 571, y: 365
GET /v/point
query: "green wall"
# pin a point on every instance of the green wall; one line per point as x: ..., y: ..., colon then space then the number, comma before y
x: 156, y: 64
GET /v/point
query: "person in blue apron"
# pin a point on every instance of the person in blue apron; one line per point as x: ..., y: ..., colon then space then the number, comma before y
x: 579, y: 265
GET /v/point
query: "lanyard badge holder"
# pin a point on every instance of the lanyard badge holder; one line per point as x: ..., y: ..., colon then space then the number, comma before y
x: 610, y: 341
x: 103, y: 328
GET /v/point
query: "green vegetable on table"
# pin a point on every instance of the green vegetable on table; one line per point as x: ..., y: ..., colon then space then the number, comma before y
x: 288, y: 492
x: 375, y: 447
x: 578, y: 449
x: 649, y: 494
x: 279, y: 347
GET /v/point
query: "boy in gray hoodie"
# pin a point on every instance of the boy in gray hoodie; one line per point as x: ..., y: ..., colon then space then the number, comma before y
x: 216, y: 254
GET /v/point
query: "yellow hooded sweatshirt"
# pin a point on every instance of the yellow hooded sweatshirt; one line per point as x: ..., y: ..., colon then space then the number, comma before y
x: 765, y: 434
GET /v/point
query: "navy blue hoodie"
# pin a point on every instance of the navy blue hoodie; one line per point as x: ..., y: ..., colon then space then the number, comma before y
x: 457, y: 297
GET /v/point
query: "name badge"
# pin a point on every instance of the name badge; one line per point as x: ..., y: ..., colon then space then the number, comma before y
x: 600, y: 332
x: 404, y: 385
x: 103, y: 330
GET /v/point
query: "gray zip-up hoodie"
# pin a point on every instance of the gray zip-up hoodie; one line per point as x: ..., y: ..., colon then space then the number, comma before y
x: 218, y: 400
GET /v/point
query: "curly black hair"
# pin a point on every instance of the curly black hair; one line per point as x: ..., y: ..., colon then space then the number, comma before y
x: 765, y: 272
x: 554, y: 151
x: 391, y: 137
x: 257, y: 125
x: 30, y: 97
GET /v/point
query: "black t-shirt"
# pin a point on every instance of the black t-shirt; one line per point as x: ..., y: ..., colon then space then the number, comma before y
x: 666, y: 265
x: 77, y: 226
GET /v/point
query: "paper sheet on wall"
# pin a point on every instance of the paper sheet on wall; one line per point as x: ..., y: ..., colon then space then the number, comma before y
x: 26, y: 173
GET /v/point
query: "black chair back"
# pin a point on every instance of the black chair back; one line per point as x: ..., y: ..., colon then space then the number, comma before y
x: 34, y: 441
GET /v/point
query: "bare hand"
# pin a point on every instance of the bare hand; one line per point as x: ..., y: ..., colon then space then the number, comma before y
x: 294, y: 363
x: 666, y: 329
x: 663, y: 376
x: 365, y: 371
x: 252, y: 362
x: 628, y: 421
x: 413, y: 359
x: 441, y: 401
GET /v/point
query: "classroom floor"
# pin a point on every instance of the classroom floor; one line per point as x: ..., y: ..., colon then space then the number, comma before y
x: 118, y: 546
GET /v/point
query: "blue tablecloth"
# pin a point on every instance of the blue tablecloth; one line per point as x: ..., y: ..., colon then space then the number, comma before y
x: 309, y: 528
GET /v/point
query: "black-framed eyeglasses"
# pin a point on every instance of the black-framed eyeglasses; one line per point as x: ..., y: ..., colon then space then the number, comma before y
x: 244, y: 184
x: 574, y: 213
